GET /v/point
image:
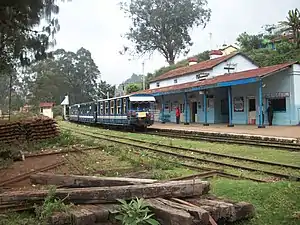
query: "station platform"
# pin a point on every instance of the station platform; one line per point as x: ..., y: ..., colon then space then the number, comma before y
x: 276, y: 132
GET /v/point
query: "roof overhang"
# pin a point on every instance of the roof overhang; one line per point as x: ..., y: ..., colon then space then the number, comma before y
x: 200, y: 88
x: 142, y: 99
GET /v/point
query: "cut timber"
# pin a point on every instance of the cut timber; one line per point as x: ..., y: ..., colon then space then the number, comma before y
x: 84, y: 215
x: 188, y: 188
x: 199, y: 215
x: 222, y: 210
x: 169, y: 215
x: 84, y: 181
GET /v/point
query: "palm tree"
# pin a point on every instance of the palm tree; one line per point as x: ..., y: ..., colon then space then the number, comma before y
x: 292, y: 24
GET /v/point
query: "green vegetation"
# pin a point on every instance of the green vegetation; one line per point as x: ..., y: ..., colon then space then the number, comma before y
x: 136, y: 212
x: 275, y: 203
x: 268, y: 154
x: 50, y: 206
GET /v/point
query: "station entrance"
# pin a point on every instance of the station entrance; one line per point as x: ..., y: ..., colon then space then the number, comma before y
x: 251, y: 110
x: 194, y: 118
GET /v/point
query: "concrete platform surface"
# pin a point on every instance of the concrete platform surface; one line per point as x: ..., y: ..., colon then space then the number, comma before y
x: 288, y: 132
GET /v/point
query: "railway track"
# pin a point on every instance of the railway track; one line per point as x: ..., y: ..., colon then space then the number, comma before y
x: 220, y: 163
x: 225, y: 139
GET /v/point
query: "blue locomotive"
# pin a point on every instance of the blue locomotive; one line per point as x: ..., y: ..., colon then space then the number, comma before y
x: 134, y: 111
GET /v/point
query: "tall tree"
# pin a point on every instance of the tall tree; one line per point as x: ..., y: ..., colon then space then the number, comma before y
x: 103, y: 88
x: 164, y: 25
x: 292, y: 24
x: 73, y: 73
x: 20, y: 40
x: 249, y: 42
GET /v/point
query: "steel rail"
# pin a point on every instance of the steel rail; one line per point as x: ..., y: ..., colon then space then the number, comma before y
x: 189, y: 157
x: 206, y: 152
x: 230, y: 140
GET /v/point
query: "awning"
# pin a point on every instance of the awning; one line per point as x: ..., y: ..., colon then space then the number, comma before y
x: 141, y: 99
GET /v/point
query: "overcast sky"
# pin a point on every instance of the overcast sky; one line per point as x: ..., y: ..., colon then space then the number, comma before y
x: 97, y: 25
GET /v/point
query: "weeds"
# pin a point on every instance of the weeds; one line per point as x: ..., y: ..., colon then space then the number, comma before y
x: 136, y: 212
x: 50, y: 205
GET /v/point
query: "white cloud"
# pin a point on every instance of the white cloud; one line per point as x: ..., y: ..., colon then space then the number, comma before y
x: 98, y: 24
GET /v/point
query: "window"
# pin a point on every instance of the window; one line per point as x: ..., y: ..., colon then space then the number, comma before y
x: 175, y: 81
x: 101, y: 108
x: 106, y: 108
x: 112, y: 107
x: 157, y: 84
x: 119, y: 106
x: 124, y: 105
x: 278, y: 104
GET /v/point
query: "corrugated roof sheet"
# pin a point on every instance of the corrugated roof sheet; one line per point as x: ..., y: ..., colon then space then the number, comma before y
x: 259, y: 72
x: 205, y: 65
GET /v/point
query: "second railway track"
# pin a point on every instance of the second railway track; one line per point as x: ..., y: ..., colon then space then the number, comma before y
x: 226, y: 139
x: 216, y: 162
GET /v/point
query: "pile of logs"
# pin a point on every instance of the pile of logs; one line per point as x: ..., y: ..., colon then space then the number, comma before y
x: 173, y: 202
x: 33, y: 129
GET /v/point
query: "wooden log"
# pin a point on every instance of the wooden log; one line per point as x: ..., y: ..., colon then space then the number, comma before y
x: 188, y: 188
x: 222, y: 210
x: 199, y: 215
x: 84, y: 214
x: 84, y: 181
x: 169, y: 215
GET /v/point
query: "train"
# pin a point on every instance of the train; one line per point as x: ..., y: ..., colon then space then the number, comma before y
x: 134, y: 111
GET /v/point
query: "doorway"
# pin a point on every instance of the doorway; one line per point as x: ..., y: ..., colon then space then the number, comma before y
x: 194, y: 112
x: 251, y: 111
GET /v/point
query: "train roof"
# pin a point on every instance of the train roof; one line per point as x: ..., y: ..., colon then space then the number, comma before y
x: 132, y: 97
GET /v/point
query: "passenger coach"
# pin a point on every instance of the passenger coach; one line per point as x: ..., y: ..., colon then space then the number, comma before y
x: 135, y: 111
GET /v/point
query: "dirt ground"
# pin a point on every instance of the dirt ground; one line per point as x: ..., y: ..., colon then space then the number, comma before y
x: 88, y: 163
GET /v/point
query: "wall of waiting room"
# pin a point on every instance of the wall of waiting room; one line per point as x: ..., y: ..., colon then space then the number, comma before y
x: 296, y: 83
x: 237, y: 62
x: 280, y: 88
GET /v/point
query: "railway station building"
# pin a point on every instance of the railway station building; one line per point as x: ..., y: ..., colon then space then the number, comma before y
x: 228, y: 89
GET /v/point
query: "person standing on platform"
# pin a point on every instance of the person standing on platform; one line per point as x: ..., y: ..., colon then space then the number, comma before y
x: 177, y: 115
x: 270, y: 112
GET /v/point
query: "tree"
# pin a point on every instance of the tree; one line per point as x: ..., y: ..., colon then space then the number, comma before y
x: 69, y: 73
x: 20, y: 41
x: 131, y: 88
x: 249, y: 42
x: 103, y: 88
x: 164, y: 25
x: 292, y: 24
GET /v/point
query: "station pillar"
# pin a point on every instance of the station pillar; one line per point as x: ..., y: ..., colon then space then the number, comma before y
x: 186, y: 109
x: 261, y: 110
x: 205, y: 108
x: 230, y: 107
x: 162, y: 109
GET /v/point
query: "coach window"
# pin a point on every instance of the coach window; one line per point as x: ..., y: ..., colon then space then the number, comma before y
x: 278, y: 104
x: 112, y: 105
x: 118, y: 106
x: 124, y: 105
x: 101, y: 108
x: 106, y: 108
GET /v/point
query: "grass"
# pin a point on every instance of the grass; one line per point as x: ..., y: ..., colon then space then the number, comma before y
x: 115, y: 156
x: 268, y: 154
x: 239, y: 172
x: 275, y: 203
